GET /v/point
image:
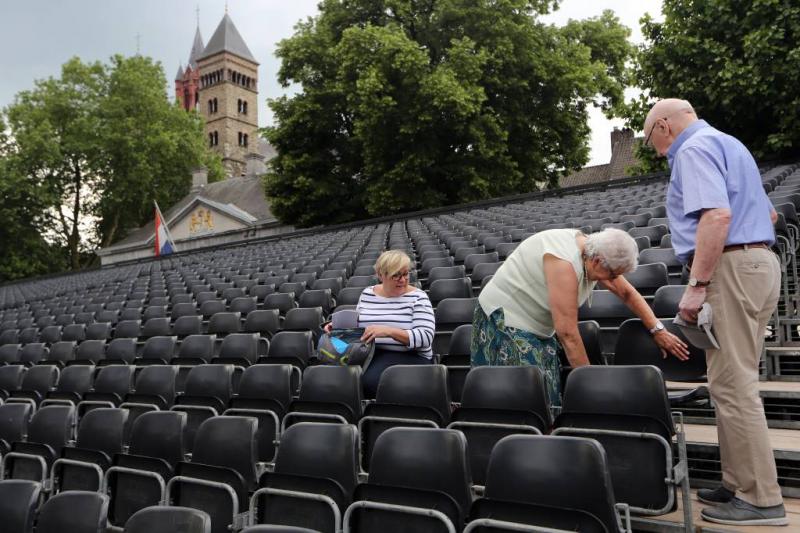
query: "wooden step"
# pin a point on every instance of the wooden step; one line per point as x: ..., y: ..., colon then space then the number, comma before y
x: 785, y: 440
x: 701, y: 526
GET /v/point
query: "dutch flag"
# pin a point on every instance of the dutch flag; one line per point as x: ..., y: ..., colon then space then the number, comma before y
x: 164, y: 243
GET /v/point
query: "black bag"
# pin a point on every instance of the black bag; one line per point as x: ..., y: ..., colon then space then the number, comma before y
x: 343, y: 347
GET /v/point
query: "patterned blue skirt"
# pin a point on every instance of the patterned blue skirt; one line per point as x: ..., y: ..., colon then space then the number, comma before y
x: 493, y: 343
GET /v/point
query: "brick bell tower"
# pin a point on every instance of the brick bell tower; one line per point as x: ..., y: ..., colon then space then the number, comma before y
x: 227, y: 96
x: 187, y: 82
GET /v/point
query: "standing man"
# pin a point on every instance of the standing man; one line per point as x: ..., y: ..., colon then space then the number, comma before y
x: 722, y: 227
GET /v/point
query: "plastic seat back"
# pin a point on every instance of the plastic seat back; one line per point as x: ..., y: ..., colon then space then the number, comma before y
x: 159, y: 519
x: 223, y: 323
x: 14, y: 419
x: 292, y: 347
x: 265, y: 322
x: 635, y: 346
x: 331, y: 390
x: 159, y: 434
x: 555, y: 472
x: 74, y: 512
x: 121, y: 350
x: 91, y: 351
x: 159, y: 326
x: 240, y: 348
x: 19, y: 500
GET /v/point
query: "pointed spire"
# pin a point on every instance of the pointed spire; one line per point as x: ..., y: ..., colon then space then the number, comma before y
x: 197, y: 49
x: 227, y: 38
x: 179, y: 75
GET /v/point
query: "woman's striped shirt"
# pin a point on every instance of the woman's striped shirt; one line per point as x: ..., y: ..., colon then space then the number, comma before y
x: 411, y: 311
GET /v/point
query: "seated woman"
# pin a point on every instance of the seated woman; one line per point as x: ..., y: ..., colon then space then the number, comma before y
x: 397, y: 316
x: 529, y: 310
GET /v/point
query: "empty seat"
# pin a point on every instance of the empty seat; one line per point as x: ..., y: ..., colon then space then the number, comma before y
x: 128, y: 329
x: 158, y: 350
x: 290, y: 347
x: 241, y: 349
x: 453, y: 272
x: 168, y: 520
x: 314, y: 459
x: 328, y: 393
x: 99, y: 331
x: 224, y: 453
x: 414, y: 470
x: 211, y: 307
x: 265, y: 322
x: 206, y: 394
x: 155, y: 389
x: 265, y: 392
x: 102, y: 433
x: 9, y: 353
x: 121, y: 351
x: 154, y: 311
x: 626, y: 409
x: 648, y: 278
x: 496, y: 402
x: 560, y: 483
x: 304, y: 319
x: 195, y: 349
x: 334, y: 284
x: 418, y: 394
x: 10, y: 379
x: 73, y: 382
x: 73, y: 512
x: 654, y: 233
x: 49, y: 335
x: 361, y: 281
x: 183, y: 309
x: 457, y: 360
x: 187, y: 325
x: 49, y: 431
x: 138, y: 477
x: 668, y: 258
x: 111, y: 385
x: 243, y: 305
x: 449, y: 314
x: 609, y: 311
x: 157, y: 327
x: 321, y: 298
x: 666, y: 300
x: 36, y: 383
x: 14, y: 418
x: 73, y: 332
x: 19, y: 500
x: 281, y: 301
x: 449, y: 288
x: 349, y: 296
x: 223, y: 323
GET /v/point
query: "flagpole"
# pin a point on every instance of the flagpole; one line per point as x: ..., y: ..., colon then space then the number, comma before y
x: 166, y: 228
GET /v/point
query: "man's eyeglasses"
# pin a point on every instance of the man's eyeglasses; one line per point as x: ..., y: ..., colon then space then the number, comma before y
x: 401, y: 275
x: 652, y: 129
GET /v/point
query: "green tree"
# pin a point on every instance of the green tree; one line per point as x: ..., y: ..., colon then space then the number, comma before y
x: 148, y: 148
x: 738, y: 63
x: 95, y: 147
x: 408, y: 105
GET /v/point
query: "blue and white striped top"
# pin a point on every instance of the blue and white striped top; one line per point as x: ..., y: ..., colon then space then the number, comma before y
x: 411, y: 311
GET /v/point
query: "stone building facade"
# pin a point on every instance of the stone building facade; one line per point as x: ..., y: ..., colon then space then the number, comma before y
x: 221, y: 83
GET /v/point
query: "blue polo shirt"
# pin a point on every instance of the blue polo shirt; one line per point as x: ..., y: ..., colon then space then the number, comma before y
x: 711, y: 169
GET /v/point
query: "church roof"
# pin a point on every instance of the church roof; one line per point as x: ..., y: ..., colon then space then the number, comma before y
x: 227, y: 38
x: 243, y: 196
x: 197, y: 49
x: 179, y: 75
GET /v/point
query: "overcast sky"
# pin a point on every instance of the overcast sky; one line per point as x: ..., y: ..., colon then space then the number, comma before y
x: 38, y: 36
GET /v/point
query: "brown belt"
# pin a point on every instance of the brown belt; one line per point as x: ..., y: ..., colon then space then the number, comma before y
x: 734, y: 247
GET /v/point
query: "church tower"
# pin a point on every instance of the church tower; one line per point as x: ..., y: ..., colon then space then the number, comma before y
x: 187, y: 82
x: 227, y: 96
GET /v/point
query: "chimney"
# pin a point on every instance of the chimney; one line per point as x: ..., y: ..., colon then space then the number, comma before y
x: 199, y: 178
x: 619, y: 134
x: 255, y: 165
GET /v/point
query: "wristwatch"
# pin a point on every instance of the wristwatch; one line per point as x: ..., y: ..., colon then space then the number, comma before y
x: 694, y: 282
x: 655, y: 329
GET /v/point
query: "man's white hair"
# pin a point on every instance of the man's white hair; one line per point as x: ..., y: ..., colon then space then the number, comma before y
x: 615, y: 248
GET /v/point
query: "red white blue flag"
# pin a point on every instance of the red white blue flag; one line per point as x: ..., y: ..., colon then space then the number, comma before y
x: 164, y: 243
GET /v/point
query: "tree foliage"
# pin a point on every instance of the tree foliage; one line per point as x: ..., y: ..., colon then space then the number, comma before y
x: 87, y: 153
x: 409, y: 104
x: 738, y: 63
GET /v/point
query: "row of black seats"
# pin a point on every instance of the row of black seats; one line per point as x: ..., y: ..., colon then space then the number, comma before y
x: 498, y: 402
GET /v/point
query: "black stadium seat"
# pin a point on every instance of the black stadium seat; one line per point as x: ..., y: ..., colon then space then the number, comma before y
x: 19, y: 501
x: 73, y: 512
x: 168, y: 520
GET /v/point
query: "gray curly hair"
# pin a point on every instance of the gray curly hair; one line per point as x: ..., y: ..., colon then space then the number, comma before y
x: 615, y: 248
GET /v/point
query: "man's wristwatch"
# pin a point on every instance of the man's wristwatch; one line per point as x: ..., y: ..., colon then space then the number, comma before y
x: 694, y: 282
x: 655, y: 329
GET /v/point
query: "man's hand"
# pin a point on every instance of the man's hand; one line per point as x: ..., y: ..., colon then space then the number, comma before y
x: 691, y: 302
x: 671, y: 343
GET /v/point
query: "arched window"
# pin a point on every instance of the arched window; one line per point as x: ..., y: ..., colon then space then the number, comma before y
x: 216, y: 107
x: 245, y: 140
x: 240, y: 138
x: 216, y: 138
x: 211, y: 139
x: 210, y: 106
x: 244, y: 107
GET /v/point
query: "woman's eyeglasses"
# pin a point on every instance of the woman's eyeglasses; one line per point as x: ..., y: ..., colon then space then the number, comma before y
x: 401, y: 275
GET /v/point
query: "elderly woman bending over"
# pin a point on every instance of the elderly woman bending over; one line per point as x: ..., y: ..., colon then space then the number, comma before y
x: 397, y: 316
x: 529, y: 310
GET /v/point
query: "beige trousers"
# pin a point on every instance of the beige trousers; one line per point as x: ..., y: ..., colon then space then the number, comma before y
x: 743, y: 295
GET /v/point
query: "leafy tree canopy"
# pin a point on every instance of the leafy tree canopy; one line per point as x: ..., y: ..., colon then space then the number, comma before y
x: 86, y: 154
x: 408, y: 104
x: 738, y: 63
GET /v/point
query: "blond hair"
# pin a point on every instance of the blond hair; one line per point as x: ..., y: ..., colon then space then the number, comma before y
x: 391, y: 262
